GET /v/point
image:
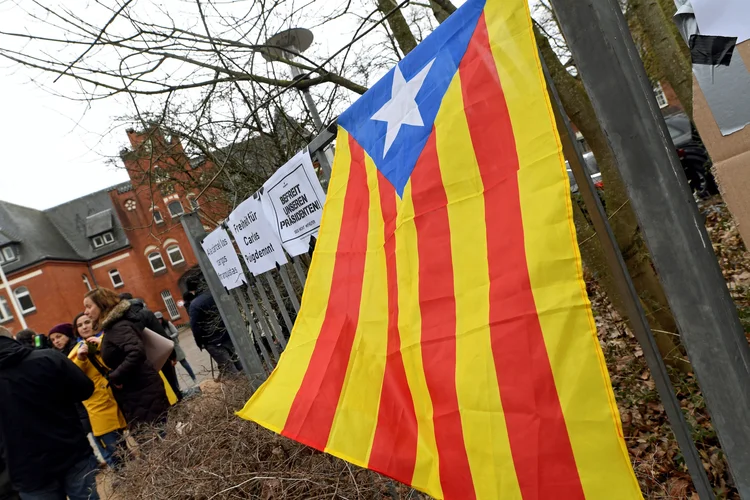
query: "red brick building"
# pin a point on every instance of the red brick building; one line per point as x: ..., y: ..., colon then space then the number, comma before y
x: 128, y: 238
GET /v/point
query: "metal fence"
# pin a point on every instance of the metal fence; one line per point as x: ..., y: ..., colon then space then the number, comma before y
x: 259, y: 316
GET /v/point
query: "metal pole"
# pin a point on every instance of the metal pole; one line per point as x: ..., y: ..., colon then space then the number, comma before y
x: 636, y: 315
x: 620, y: 91
x: 296, y: 73
x: 12, y: 297
x: 226, y: 304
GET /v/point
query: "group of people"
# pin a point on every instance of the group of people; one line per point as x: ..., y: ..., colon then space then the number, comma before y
x: 89, y: 375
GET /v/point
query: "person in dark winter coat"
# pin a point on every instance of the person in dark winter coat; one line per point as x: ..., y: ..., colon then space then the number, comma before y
x: 147, y: 319
x: 135, y: 383
x: 211, y: 334
x: 46, y: 450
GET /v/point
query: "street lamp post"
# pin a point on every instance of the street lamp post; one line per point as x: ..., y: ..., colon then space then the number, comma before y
x: 288, y: 44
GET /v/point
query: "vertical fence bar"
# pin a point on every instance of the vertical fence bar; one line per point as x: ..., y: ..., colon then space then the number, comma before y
x: 268, y: 332
x: 289, y: 289
x: 269, y: 310
x: 239, y: 296
x: 298, y: 269
x: 623, y: 99
x: 226, y: 304
x: 281, y: 305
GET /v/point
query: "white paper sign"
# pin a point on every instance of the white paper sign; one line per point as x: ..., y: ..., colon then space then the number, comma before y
x: 220, y: 251
x: 256, y: 239
x: 723, y: 18
x: 293, y: 203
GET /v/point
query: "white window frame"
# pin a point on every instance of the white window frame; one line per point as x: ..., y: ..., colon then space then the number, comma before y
x: 170, y: 249
x: 20, y: 293
x: 98, y: 241
x: 86, y: 282
x: 193, y: 202
x: 152, y: 257
x: 6, y: 313
x: 108, y: 238
x: 661, y: 97
x: 174, y: 312
x: 9, y: 255
x: 169, y: 209
x: 158, y: 217
x: 112, y: 273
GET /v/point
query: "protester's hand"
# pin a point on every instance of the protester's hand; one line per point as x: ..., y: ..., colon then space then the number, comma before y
x: 95, y: 340
x: 174, y: 362
x: 83, y: 352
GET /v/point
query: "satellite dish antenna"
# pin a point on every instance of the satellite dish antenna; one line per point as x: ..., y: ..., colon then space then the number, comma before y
x: 287, y: 44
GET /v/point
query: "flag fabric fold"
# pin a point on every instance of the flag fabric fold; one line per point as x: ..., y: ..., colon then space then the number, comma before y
x: 445, y: 337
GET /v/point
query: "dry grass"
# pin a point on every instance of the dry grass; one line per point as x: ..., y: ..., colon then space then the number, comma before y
x: 209, y: 453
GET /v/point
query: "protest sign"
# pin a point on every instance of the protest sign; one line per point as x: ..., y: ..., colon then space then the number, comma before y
x: 256, y: 239
x: 220, y: 252
x: 293, y: 203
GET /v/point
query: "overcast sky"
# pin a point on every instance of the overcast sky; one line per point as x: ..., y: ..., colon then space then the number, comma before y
x: 55, y: 149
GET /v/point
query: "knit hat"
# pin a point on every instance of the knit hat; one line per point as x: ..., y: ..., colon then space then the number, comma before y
x: 63, y: 328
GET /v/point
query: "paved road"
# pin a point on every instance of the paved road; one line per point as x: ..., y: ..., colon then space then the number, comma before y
x: 199, y: 360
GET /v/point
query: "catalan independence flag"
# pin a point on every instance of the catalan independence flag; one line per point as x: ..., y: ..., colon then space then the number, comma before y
x: 445, y: 337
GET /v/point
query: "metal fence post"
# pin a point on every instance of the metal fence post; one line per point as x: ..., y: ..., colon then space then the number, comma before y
x: 636, y: 315
x: 623, y: 99
x: 226, y: 304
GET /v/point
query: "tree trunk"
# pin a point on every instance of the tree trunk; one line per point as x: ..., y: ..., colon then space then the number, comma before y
x: 665, y: 49
x: 441, y: 9
x: 622, y: 218
x: 400, y: 28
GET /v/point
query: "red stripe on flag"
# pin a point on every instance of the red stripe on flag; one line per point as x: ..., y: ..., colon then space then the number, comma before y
x: 438, y: 311
x: 542, y: 453
x: 311, y: 415
x: 394, y: 447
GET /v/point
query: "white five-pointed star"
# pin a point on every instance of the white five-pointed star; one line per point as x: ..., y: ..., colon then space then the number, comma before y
x: 402, y: 108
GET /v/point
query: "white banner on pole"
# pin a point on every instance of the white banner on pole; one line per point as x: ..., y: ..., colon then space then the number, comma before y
x: 293, y: 203
x: 256, y: 239
x: 220, y: 251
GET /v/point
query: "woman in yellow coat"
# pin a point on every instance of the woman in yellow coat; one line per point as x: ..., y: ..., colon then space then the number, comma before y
x: 107, y: 422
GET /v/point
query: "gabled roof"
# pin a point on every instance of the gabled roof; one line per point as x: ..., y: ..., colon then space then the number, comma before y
x: 62, y: 232
x: 79, y: 219
x: 99, y: 223
x: 37, y: 237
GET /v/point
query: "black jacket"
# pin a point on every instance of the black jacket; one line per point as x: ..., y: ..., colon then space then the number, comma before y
x: 39, y: 425
x: 142, y: 397
x: 206, y: 323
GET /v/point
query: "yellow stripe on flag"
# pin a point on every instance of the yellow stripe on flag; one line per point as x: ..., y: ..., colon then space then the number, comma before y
x: 357, y: 412
x: 282, y: 385
x: 426, y: 473
x: 578, y: 366
x: 482, y: 418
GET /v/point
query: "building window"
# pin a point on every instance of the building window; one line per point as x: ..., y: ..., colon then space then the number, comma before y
x: 193, y: 202
x: 24, y: 300
x: 8, y: 255
x: 114, y: 275
x: 175, y: 255
x: 5, y: 314
x: 157, y: 217
x: 103, y: 239
x: 661, y: 98
x: 86, y: 282
x: 157, y: 263
x: 175, y: 208
x: 174, y: 313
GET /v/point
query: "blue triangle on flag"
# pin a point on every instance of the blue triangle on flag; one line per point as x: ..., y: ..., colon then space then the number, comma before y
x: 394, y: 138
